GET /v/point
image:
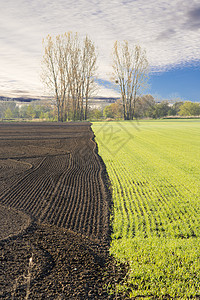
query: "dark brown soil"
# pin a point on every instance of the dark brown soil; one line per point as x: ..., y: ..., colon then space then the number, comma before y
x: 12, y: 222
x: 52, y: 175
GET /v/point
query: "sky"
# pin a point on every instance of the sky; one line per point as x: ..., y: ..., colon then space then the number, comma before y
x: 169, y: 31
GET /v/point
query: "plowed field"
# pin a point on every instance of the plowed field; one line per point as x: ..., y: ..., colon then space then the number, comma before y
x: 52, y: 175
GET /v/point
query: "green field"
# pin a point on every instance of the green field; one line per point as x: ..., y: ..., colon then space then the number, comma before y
x: 154, y: 168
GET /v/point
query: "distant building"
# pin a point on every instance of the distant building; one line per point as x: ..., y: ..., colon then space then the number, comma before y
x: 101, y: 102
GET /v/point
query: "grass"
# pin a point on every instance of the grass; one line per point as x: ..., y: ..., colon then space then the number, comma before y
x: 154, y: 167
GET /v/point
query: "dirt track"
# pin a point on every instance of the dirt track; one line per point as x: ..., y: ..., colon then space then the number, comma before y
x: 53, y: 174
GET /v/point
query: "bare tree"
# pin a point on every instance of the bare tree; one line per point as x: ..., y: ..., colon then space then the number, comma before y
x: 89, y: 69
x: 130, y: 72
x: 54, y: 71
x: 68, y: 70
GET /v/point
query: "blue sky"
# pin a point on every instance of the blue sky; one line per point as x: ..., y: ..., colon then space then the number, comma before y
x: 168, y: 30
x: 178, y: 83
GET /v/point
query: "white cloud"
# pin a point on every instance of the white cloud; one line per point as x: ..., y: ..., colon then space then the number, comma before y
x: 169, y: 30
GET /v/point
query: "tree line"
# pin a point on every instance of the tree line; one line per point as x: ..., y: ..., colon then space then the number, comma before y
x: 10, y: 110
x: 146, y: 107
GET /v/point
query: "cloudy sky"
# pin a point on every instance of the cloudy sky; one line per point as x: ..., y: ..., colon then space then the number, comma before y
x: 168, y: 30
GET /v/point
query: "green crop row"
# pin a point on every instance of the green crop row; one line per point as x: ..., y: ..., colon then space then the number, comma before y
x: 154, y: 168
